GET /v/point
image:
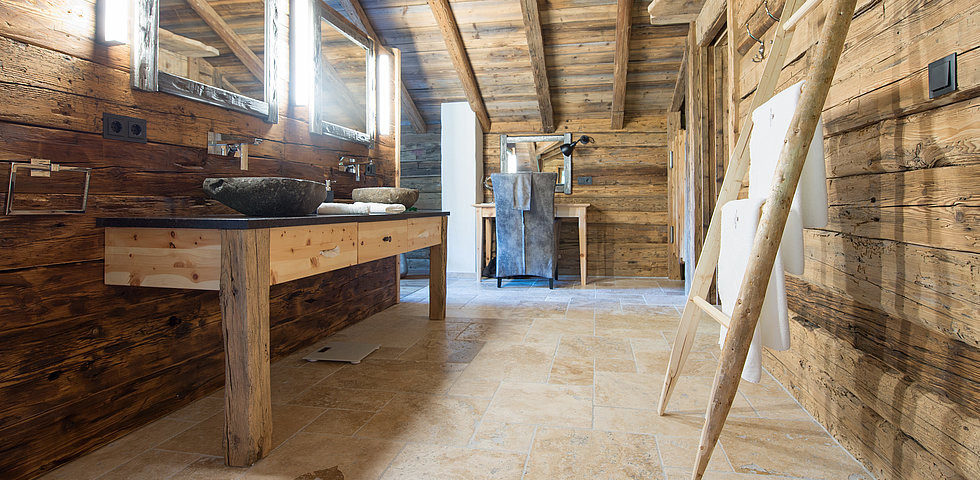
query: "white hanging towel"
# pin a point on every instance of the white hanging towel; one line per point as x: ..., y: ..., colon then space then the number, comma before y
x: 770, y: 122
x: 739, y: 223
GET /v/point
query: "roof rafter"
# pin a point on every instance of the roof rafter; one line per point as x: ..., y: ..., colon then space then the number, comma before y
x: 624, y: 25
x: 535, y: 44
x: 457, y: 53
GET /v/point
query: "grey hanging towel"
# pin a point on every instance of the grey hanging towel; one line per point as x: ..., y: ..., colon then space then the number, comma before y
x: 525, y: 238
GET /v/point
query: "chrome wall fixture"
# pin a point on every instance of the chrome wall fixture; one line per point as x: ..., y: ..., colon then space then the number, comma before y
x: 43, y: 168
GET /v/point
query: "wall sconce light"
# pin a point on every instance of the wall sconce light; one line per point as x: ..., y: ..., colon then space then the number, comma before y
x: 566, y: 149
x: 112, y: 21
x: 385, y: 97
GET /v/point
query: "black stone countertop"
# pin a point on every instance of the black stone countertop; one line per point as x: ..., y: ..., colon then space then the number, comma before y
x: 241, y: 222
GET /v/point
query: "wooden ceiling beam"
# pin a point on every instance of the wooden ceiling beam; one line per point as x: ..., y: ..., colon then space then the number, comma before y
x: 457, y: 52
x: 624, y: 25
x: 677, y: 99
x: 357, y: 13
x: 710, y: 21
x: 673, y: 12
x: 245, y: 54
x: 535, y: 44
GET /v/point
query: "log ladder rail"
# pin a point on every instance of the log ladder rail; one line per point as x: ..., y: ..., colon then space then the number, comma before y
x: 741, y: 325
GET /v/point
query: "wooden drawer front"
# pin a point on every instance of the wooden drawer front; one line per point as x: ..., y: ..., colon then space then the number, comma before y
x: 297, y: 252
x: 380, y: 239
x: 163, y: 257
x: 423, y: 232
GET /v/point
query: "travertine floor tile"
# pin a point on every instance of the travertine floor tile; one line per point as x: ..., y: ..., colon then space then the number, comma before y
x: 120, y: 451
x: 151, y: 464
x: 432, y: 419
x: 633, y: 420
x: 682, y: 452
x: 572, y: 370
x: 518, y: 382
x: 354, y: 458
x: 329, y: 396
x: 339, y: 422
x: 442, y: 351
x: 209, y: 468
x: 446, y: 463
x: 205, y: 438
x: 589, y: 454
x: 537, y: 404
x: 509, y: 437
x: 786, y: 447
x: 397, y: 375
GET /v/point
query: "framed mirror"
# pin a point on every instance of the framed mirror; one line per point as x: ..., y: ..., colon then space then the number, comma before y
x: 208, y: 50
x: 538, y: 153
x: 343, y: 101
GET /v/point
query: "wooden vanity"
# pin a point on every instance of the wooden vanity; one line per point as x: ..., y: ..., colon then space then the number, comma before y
x: 241, y: 257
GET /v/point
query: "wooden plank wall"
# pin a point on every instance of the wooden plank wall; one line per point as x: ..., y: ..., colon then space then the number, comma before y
x: 886, y: 318
x: 82, y: 363
x: 421, y: 159
x: 627, y: 222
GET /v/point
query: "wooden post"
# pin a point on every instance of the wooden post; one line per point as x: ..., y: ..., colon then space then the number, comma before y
x: 752, y: 293
x: 738, y: 166
x: 437, y: 275
x: 244, y: 294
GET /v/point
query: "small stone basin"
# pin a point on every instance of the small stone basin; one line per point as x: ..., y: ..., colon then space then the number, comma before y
x: 267, y: 196
x: 403, y: 196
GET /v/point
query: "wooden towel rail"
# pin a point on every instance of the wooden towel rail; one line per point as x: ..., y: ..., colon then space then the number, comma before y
x: 752, y: 293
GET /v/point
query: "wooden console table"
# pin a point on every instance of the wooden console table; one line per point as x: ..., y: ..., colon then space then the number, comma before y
x: 562, y: 210
x: 241, y: 257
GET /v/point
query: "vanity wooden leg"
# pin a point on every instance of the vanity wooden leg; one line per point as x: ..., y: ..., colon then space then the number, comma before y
x: 437, y: 277
x: 582, y: 247
x: 244, y: 294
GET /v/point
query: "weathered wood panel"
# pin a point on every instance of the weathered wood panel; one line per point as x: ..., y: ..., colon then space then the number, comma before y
x: 886, y: 324
x: 83, y: 362
x: 628, y: 226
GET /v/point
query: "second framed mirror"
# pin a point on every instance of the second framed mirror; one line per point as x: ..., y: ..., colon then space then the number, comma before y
x: 343, y: 101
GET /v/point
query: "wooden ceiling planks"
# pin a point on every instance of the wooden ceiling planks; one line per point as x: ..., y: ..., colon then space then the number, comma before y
x: 578, y: 44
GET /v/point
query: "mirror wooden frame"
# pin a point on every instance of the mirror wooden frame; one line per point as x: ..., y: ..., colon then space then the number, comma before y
x: 319, y: 124
x: 565, y: 188
x: 145, y: 73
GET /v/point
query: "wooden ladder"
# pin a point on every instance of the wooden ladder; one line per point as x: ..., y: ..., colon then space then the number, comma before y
x: 741, y: 325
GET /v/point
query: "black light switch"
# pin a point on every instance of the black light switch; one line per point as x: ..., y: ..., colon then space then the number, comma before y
x: 942, y: 76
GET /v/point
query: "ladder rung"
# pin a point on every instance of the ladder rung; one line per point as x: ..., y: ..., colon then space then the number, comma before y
x: 798, y: 15
x: 712, y: 311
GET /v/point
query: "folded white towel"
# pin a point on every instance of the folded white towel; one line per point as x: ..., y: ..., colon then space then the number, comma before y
x: 382, y: 207
x: 739, y: 223
x: 342, y: 209
x: 770, y: 122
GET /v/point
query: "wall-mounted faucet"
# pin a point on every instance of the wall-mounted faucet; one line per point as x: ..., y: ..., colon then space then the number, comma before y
x: 352, y: 165
x: 229, y: 145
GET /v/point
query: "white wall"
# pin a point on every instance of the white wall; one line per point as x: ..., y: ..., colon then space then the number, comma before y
x: 462, y: 178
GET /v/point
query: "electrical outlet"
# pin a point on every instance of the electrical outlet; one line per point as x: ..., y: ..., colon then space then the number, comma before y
x: 120, y: 127
x: 370, y: 169
x: 585, y: 180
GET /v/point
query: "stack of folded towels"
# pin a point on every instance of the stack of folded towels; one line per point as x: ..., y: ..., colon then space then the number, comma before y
x: 358, y: 208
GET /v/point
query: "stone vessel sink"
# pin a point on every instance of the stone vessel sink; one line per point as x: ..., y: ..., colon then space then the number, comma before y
x: 403, y: 196
x: 267, y: 196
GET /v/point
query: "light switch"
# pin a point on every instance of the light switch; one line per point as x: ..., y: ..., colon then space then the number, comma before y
x: 942, y: 76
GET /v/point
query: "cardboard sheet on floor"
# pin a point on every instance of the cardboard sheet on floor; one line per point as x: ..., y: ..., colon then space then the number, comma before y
x: 342, y: 352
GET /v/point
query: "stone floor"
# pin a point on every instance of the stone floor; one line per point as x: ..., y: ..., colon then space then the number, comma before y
x: 520, y: 382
